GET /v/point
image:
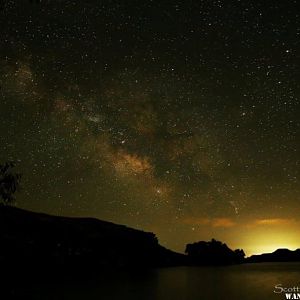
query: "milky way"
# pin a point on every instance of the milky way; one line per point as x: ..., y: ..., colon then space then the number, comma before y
x: 178, y: 117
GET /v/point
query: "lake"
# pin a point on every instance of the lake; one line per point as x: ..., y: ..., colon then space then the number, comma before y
x: 248, y: 281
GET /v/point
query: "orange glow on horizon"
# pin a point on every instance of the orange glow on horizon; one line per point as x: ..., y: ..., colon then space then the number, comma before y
x: 268, y: 240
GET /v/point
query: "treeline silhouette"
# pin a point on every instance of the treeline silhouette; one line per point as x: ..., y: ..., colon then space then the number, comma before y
x: 47, y: 243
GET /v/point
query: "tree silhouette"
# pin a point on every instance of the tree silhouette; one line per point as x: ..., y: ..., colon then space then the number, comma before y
x: 214, y: 253
x: 9, y: 183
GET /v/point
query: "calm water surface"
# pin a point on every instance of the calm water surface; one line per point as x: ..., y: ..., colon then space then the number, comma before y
x: 249, y: 281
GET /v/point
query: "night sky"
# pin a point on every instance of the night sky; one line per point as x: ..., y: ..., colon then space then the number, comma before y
x: 177, y: 117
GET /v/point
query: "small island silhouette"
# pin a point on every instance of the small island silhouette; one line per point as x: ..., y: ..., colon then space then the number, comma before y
x: 213, y: 253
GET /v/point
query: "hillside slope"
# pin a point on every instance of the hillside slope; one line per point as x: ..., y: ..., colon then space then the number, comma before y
x: 37, y: 240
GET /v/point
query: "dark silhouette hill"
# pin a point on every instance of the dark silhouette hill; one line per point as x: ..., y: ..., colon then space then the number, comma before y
x: 213, y: 253
x: 43, y: 243
x: 40, y: 241
x: 280, y: 255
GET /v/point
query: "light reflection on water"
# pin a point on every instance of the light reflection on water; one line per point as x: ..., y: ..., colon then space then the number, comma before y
x: 249, y: 281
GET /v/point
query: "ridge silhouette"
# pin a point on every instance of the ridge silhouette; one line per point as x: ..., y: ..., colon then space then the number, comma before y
x: 37, y: 240
x: 47, y: 244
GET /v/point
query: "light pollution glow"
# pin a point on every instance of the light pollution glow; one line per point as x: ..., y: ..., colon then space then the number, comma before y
x: 186, y: 128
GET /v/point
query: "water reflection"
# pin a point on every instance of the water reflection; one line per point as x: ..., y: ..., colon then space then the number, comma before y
x: 249, y: 281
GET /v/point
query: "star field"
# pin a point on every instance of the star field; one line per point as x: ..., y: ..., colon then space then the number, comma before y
x: 178, y: 117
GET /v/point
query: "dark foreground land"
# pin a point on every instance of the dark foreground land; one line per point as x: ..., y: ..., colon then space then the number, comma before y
x: 40, y: 241
x: 40, y: 244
